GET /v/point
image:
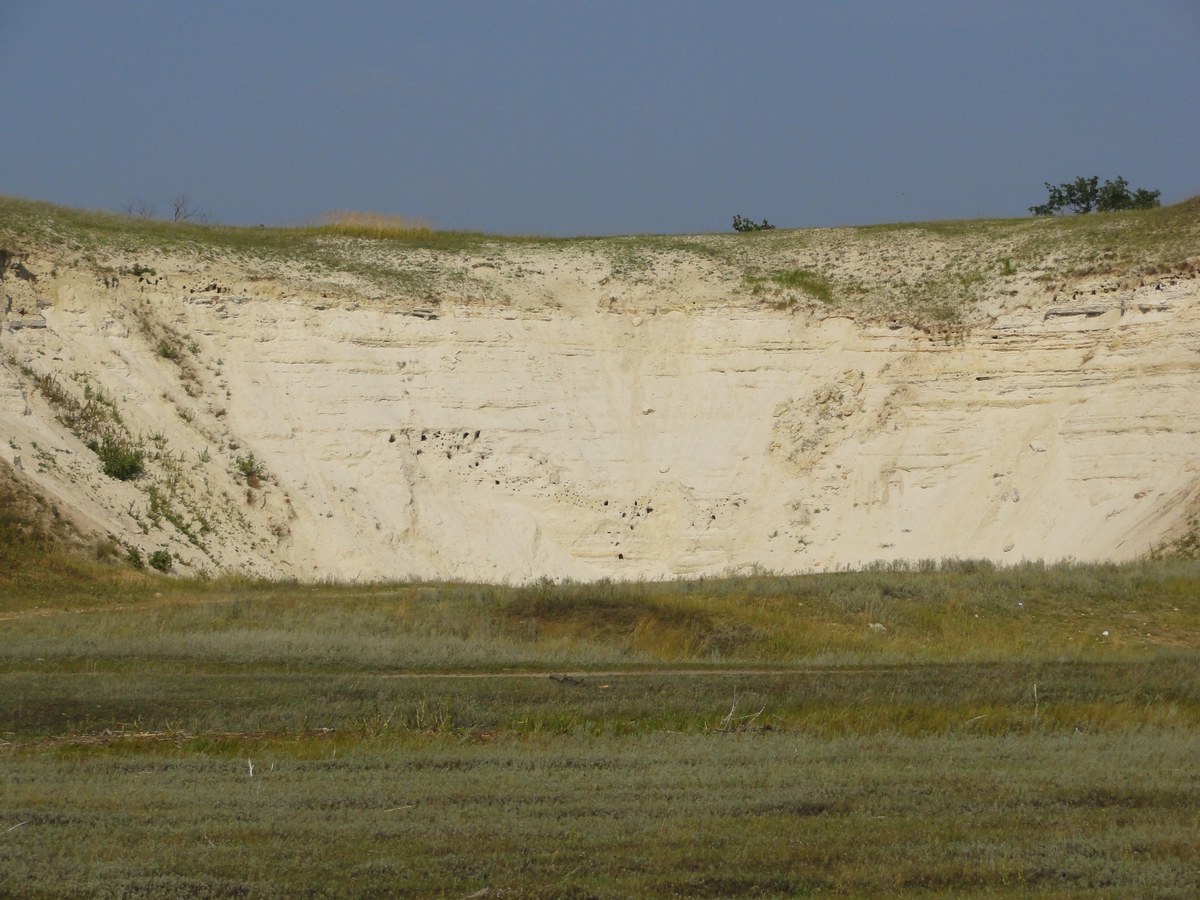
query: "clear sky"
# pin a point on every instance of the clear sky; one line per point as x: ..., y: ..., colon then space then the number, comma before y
x: 568, y: 117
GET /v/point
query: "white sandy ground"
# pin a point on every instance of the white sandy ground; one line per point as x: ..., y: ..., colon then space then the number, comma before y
x: 584, y: 427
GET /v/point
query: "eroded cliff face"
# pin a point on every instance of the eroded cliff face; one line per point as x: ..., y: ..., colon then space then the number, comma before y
x: 557, y: 421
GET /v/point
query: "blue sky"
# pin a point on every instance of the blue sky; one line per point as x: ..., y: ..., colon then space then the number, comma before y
x: 596, y: 117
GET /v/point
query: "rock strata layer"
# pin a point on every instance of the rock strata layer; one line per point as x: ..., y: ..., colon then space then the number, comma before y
x: 670, y: 431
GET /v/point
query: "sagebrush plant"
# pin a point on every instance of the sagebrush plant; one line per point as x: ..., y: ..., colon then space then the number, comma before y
x: 120, y: 458
x: 250, y: 467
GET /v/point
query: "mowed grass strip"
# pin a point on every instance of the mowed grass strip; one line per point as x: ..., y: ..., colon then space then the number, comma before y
x: 122, y: 708
x: 652, y: 815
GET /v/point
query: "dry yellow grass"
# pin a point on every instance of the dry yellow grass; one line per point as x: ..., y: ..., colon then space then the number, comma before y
x: 353, y: 223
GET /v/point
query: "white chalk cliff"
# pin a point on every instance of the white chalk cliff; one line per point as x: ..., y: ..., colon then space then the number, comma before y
x: 536, y: 410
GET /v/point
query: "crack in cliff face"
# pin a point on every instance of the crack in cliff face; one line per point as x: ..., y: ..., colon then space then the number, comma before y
x: 611, y: 409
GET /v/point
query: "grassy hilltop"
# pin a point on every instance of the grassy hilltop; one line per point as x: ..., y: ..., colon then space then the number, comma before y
x: 931, y: 274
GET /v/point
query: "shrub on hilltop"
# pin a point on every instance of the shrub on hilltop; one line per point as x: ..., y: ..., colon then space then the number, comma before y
x: 1083, y: 195
x: 740, y: 224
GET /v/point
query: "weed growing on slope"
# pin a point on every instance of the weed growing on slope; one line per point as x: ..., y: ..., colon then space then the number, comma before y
x: 251, y: 468
x: 784, y: 289
x: 96, y: 421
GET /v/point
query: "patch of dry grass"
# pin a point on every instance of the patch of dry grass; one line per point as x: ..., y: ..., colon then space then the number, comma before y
x: 371, y: 225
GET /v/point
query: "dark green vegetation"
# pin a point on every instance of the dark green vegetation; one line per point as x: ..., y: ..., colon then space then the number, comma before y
x: 741, y: 224
x: 1083, y: 195
x: 1006, y: 731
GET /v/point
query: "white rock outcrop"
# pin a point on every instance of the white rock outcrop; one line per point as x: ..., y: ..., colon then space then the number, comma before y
x: 573, y: 428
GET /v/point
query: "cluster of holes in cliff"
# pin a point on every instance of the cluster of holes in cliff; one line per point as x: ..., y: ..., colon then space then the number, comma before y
x: 450, y: 442
x: 718, y: 507
x: 213, y: 287
x: 637, y: 510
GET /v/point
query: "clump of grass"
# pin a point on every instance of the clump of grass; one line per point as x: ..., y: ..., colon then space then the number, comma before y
x: 161, y: 506
x: 172, y: 346
x: 811, y: 283
x: 625, y: 617
x: 120, y: 458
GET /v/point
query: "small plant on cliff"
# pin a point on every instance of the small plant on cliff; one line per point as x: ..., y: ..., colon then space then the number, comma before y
x: 134, y: 557
x: 168, y: 350
x: 118, y: 457
x: 161, y: 560
x: 251, y: 468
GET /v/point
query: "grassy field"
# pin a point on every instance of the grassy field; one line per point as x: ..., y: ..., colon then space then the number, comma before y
x: 998, y: 731
x: 777, y: 814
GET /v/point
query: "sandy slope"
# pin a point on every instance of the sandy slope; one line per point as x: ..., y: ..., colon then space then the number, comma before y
x: 549, y: 410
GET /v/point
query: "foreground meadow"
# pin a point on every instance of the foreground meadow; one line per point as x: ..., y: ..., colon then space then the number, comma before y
x: 944, y: 730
